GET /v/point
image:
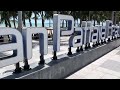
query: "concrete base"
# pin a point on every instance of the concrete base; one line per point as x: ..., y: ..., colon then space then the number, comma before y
x: 67, y: 65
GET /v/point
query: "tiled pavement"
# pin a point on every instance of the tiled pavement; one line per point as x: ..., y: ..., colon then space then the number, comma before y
x: 106, y: 67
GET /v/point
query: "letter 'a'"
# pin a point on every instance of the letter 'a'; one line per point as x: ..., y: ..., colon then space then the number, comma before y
x: 18, y: 46
x: 109, y: 29
x: 94, y: 35
x: 78, y: 37
x: 102, y: 32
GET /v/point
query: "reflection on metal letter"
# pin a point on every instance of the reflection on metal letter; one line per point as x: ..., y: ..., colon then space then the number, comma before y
x: 27, y: 40
x: 18, y: 46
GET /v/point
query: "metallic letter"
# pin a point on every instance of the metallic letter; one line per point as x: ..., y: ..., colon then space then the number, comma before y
x: 86, y: 32
x: 78, y: 37
x: 108, y: 29
x: 18, y: 45
x: 43, y: 41
x: 102, y: 32
x: 94, y: 34
x: 56, y: 29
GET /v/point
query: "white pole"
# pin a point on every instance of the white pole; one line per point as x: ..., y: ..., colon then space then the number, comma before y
x: 113, y: 16
x: 20, y: 24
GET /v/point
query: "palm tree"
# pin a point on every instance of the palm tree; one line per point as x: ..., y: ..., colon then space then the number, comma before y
x: 82, y: 15
x: 28, y: 15
x: 49, y: 15
x: 14, y: 16
x: 23, y: 17
x: 5, y: 17
x: 42, y: 15
x: 36, y: 13
x: 75, y: 14
x: 117, y: 16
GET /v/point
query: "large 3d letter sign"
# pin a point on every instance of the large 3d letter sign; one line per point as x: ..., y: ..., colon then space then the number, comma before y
x: 17, y: 45
x: 22, y: 42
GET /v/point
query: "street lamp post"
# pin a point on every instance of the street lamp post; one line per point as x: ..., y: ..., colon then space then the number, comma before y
x: 20, y: 21
x: 114, y: 17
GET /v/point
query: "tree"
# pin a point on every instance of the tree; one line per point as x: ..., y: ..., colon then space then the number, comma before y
x: 49, y: 15
x: 23, y: 17
x: 36, y: 13
x: 28, y: 16
x: 5, y: 17
x: 42, y: 15
x: 14, y: 16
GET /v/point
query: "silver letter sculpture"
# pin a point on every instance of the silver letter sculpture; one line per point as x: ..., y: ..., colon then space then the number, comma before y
x: 17, y: 45
x: 27, y: 40
x: 101, y: 33
x: 77, y: 37
x: 94, y: 34
x: 116, y: 31
x: 57, y: 30
x: 109, y: 29
x: 86, y: 32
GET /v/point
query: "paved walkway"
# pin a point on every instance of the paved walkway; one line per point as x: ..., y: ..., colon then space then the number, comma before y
x: 106, y: 67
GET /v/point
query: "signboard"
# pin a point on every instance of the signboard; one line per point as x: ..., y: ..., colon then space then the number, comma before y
x: 79, y: 36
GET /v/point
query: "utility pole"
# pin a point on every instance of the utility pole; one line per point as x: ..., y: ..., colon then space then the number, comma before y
x: 89, y: 15
x: 114, y: 17
x: 20, y: 23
